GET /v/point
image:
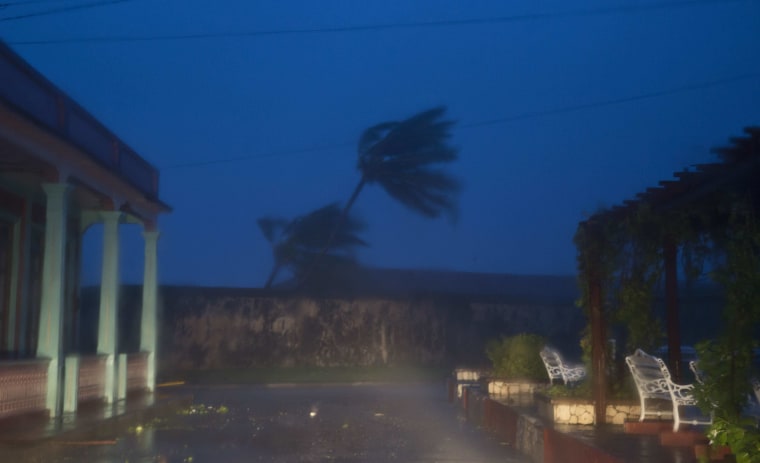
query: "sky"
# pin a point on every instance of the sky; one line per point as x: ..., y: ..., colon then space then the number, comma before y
x: 253, y: 109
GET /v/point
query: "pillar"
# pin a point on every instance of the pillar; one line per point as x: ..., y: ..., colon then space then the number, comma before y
x: 109, y: 302
x: 71, y: 384
x: 670, y: 254
x: 598, y: 329
x: 149, y: 321
x: 50, y: 339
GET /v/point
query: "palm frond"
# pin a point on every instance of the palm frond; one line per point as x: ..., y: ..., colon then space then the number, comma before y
x: 271, y: 227
x: 296, y: 242
x: 429, y: 192
x: 373, y: 134
x: 400, y: 157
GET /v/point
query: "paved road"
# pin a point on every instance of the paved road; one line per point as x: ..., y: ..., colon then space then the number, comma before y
x: 362, y: 423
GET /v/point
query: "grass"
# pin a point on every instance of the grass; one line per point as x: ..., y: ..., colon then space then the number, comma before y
x: 310, y: 375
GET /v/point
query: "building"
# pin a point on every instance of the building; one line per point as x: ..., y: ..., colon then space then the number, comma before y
x: 62, y: 171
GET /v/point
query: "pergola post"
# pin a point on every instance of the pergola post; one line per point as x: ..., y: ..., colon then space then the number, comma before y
x: 598, y: 348
x: 598, y: 330
x: 670, y: 253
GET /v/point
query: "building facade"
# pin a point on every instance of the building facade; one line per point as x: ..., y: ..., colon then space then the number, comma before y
x: 61, y: 172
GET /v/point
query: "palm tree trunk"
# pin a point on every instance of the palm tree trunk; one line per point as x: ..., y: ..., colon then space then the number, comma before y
x: 273, y: 275
x: 341, y: 220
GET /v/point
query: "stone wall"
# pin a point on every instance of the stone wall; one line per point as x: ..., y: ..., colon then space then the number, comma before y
x: 205, y: 328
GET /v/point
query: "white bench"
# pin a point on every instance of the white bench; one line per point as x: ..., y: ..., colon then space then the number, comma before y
x: 653, y: 381
x: 556, y: 368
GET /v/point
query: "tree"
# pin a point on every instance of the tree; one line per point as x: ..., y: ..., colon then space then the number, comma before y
x: 296, y: 243
x: 401, y: 157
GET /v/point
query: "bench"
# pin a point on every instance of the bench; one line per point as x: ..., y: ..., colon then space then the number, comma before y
x: 698, y: 375
x: 556, y: 368
x: 653, y: 381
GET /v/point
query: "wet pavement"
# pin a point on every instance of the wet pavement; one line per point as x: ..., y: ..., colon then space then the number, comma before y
x: 340, y: 423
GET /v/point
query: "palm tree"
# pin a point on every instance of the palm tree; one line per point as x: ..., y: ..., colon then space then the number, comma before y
x: 297, y: 242
x: 400, y: 157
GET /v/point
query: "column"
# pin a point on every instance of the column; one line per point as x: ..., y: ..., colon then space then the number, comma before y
x: 109, y: 302
x: 670, y: 255
x: 148, y: 328
x: 50, y: 340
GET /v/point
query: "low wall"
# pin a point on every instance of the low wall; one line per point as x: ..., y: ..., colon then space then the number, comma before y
x: 515, y: 392
x: 527, y: 434
x: 208, y: 328
x: 578, y: 411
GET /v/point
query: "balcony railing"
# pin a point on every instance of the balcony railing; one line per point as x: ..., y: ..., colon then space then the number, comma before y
x: 137, y: 371
x: 23, y: 386
x: 92, y: 374
x: 36, y: 97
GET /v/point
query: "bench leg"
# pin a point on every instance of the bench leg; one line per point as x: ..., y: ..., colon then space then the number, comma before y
x: 676, y: 418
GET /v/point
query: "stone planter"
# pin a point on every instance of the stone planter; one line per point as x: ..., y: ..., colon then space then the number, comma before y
x: 468, y: 374
x: 511, y: 390
x: 467, y: 377
x: 619, y: 411
x: 565, y: 410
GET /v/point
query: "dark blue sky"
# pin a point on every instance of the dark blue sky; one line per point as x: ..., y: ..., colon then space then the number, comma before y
x: 528, y: 180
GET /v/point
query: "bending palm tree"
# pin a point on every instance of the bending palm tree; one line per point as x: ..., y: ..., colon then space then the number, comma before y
x: 399, y: 156
x: 297, y: 243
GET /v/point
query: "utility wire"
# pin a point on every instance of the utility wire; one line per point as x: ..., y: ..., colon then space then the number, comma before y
x: 502, y: 120
x: 27, y: 2
x: 615, y: 101
x: 63, y: 9
x: 599, y: 11
x: 263, y: 156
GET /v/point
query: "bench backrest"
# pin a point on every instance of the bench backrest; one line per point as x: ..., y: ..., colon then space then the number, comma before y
x: 552, y: 362
x: 649, y: 373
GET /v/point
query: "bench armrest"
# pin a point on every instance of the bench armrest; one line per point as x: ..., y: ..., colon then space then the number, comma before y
x: 683, y: 393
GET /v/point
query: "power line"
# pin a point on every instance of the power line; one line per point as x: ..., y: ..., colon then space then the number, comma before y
x: 28, y: 2
x: 599, y: 11
x: 616, y: 101
x: 263, y: 156
x: 64, y: 9
x: 502, y: 120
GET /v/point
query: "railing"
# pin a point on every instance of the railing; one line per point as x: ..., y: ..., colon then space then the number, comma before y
x: 23, y: 387
x: 35, y: 96
x: 92, y: 374
x: 137, y: 371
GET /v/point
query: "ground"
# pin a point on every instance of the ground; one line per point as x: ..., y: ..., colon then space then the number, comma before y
x: 337, y: 423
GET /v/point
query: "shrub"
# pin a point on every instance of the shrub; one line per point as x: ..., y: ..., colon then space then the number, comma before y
x: 517, y: 357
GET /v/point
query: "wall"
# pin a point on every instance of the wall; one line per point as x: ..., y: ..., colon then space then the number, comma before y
x: 228, y: 327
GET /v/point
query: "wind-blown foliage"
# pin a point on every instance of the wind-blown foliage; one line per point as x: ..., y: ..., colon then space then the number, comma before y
x: 399, y: 156
x: 403, y: 158
x: 296, y: 243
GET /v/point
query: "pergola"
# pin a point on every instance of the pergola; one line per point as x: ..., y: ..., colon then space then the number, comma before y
x: 700, y: 197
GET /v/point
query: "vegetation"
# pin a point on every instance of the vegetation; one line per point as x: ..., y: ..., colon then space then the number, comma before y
x: 727, y: 360
x: 623, y: 252
x: 517, y: 357
x: 401, y: 156
x: 297, y: 242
